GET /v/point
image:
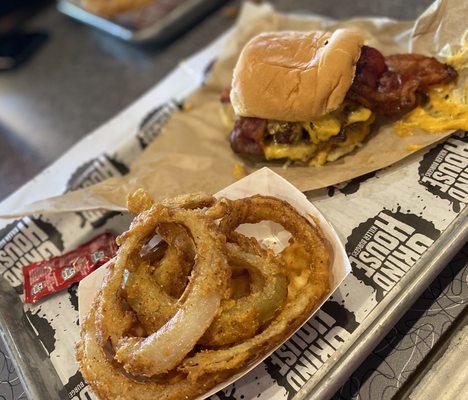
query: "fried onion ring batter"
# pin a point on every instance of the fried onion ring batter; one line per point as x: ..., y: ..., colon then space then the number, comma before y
x: 185, y: 310
x: 307, y: 286
x: 241, y: 319
x: 165, y: 349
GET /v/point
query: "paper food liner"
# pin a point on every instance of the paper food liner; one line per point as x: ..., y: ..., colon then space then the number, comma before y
x: 267, y: 183
x: 193, y: 153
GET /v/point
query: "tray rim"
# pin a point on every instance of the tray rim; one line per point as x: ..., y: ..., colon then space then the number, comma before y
x: 35, y: 371
x: 159, y: 31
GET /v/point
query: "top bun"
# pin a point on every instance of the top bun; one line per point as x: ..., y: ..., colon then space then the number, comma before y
x: 294, y: 76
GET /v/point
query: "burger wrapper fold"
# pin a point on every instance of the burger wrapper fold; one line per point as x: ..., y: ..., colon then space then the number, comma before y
x: 192, y: 153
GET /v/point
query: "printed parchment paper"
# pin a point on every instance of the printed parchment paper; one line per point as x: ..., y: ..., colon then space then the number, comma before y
x: 192, y: 153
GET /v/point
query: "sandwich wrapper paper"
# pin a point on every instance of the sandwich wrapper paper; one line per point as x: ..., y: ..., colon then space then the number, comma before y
x: 191, y: 151
x: 267, y: 183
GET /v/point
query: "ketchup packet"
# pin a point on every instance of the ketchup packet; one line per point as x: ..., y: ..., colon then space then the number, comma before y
x: 47, y: 277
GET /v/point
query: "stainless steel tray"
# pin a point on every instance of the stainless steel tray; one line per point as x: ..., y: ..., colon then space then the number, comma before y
x: 397, y: 188
x: 158, y: 31
x: 42, y: 383
x: 387, y: 313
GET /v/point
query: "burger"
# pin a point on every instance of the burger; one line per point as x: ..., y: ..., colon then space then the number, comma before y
x: 312, y: 97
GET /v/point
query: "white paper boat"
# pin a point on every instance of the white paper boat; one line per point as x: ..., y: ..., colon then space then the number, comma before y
x: 268, y: 183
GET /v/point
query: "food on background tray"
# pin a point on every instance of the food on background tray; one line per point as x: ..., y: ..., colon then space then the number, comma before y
x: 312, y: 97
x: 111, y: 8
x: 44, y: 278
x: 229, y: 303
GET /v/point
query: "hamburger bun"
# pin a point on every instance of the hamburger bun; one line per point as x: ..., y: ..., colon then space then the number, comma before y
x: 294, y: 76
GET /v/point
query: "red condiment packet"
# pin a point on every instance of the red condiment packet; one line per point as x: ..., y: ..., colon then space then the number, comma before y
x: 47, y: 277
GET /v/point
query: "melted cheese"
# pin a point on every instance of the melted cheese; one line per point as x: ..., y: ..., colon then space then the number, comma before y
x: 441, y: 113
x: 456, y: 55
x: 360, y: 114
x: 239, y: 171
x: 355, y: 134
x: 447, y: 109
x: 227, y: 115
x: 299, y: 152
x: 323, y: 128
x: 357, y: 125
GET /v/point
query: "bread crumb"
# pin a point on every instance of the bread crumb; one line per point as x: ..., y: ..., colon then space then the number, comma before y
x: 230, y: 11
x: 239, y: 171
x: 187, y: 106
x: 414, y: 147
x: 286, y: 164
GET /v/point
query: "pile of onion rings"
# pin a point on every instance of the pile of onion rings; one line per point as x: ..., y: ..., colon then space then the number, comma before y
x: 189, y: 301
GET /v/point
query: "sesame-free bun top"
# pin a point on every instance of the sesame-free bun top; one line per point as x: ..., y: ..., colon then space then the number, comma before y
x: 294, y: 76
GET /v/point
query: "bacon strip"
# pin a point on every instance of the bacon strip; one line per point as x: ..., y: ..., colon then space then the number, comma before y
x: 427, y: 70
x: 247, y: 135
x: 395, y: 84
x: 225, y: 95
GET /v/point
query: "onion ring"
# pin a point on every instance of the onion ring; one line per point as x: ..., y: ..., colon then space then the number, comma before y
x: 165, y: 349
x: 240, y: 319
x: 152, y: 305
x: 110, y: 383
x: 113, y: 317
x: 304, y: 292
x: 188, y: 312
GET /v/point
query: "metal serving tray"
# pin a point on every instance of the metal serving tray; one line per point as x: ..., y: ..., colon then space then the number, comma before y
x: 381, y: 320
x: 41, y: 382
x: 157, y: 29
